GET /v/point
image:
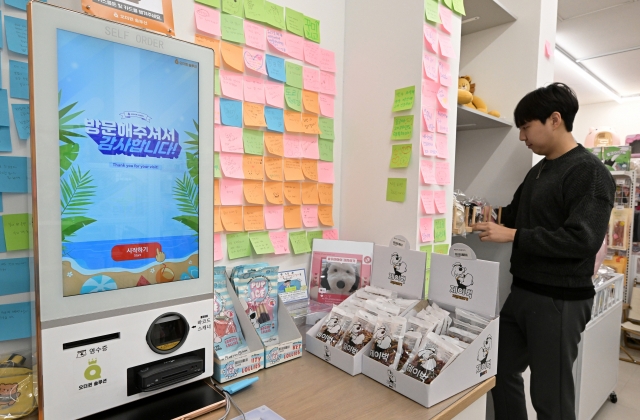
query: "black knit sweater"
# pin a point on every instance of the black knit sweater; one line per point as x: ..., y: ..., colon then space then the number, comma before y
x: 560, y: 212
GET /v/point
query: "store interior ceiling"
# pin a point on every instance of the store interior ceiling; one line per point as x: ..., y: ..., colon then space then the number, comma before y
x: 599, y: 39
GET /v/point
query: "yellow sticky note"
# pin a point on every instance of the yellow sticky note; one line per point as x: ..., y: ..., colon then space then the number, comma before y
x: 232, y: 56
x: 273, y: 168
x: 310, y: 169
x: 274, y: 143
x: 231, y: 218
x: 310, y: 193
x: 325, y: 214
x: 216, y: 192
x: 273, y: 191
x: 253, y: 191
x: 325, y: 191
x: 293, y: 170
x: 292, y: 217
x: 214, y: 44
x: 253, y: 218
x: 292, y: 192
x: 310, y: 124
x: 293, y: 121
x: 253, y: 114
x: 310, y: 101
x: 217, y: 221
x: 252, y: 167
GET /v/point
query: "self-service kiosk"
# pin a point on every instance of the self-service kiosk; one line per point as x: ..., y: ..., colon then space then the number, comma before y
x: 122, y: 211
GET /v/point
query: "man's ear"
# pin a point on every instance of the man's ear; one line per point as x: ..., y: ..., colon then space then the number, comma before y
x: 556, y: 120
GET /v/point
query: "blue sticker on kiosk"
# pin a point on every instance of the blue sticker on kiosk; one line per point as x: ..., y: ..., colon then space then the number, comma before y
x: 275, y: 68
x: 275, y: 119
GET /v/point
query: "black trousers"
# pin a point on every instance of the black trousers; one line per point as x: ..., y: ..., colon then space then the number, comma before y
x: 543, y: 334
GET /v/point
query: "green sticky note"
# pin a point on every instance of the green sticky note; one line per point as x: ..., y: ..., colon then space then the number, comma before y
x: 274, y: 15
x: 404, y: 99
x: 16, y: 230
x: 326, y: 128
x: 427, y: 280
x: 293, y: 74
x: 261, y: 243
x: 295, y: 21
x: 253, y: 141
x: 431, y: 11
x: 326, y: 150
x: 400, y: 156
x: 458, y: 6
x: 238, y: 245
x: 397, y: 189
x: 316, y: 234
x: 312, y: 29
x: 293, y: 96
x: 441, y: 249
x: 448, y: 3
x: 212, y: 3
x: 428, y: 249
x: 254, y: 10
x: 402, y: 128
x: 439, y: 230
x: 299, y: 242
x: 216, y: 166
x: 232, y: 28
x: 232, y: 7
x: 217, y: 83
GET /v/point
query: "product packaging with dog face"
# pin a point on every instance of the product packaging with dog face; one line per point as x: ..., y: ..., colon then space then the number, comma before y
x: 334, y: 327
x: 359, y: 333
x: 433, y: 356
x: 258, y: 293
x: 399, y: 271
x: 387, y: 339
x: 227, y: 335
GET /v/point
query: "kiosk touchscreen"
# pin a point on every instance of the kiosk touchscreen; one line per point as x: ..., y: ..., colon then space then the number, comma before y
x: 122, y: 211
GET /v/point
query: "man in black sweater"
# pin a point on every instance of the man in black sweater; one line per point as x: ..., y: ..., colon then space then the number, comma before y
x: 557, y: 222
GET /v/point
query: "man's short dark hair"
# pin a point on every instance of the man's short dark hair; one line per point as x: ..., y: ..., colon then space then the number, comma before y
x: 544, y: 101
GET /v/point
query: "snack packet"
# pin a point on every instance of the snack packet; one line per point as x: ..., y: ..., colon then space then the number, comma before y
x: 221, y: 269
x: 404, y: 304
x: 431, y: 359
x: 438, y: 322
x: 380, y: 291
x: 421, y: 326
x: 258, y: 292
x: 362, y: 294
x: 410, y: 342
x: 377, y: 307
x: 334, y: 327
x: 359, y: 334
x: 238, y: 270
x: 387, y: 339
x: 228, y: 340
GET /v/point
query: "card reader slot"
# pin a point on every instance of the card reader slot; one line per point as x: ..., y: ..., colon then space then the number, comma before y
x: 89, y: 341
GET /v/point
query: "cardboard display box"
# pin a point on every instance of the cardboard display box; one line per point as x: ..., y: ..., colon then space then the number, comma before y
x: 290, y: 346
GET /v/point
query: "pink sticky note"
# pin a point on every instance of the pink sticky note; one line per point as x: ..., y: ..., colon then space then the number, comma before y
x: 442, y: 122
x: 276, y: 40
x: 446, y: 48
x: 428, y: 143
x: 231, y: 84
x: 426, y: 196
x: 254, y: 90
x: 443, y: 97
x: 312, y: 53
x: 311, y: 79
x: 429, y: 92
x: 217, y: 247
x: 442, y: 144
x: 207, y: 20
x: 431, y: 38
x: 426, y: 169
x: 445, y: 18
x: 445, y: 73
x: 310, y: 216
x: 216, y: 110
x: 231, y: 192
x: 439, y: 198
x: 274, y: 217
x: 429, y: 116
x: 216, y: 138
x: 325, y: 172
x: 280, y: 241
x: 295, y: 46
x: 254, y: 35
x: 254, y: 60
x: 231, y: 165
x: 274, y: 93
x: 430, y: 63
x: 426, y: 229
x: 292, y: 148
x: 309, y: 146
x: 327, y: 83
x: 442, y: 173
x: 327, y: 60
x: 330, y: 234
x: 230, y: 139
x: 548, y: 49
x: 327, y: 105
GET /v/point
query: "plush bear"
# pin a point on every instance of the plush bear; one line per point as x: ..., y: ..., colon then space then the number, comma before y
x: 467, y: 97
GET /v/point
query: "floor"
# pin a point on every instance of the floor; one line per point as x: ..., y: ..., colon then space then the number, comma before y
x: 628, y: 391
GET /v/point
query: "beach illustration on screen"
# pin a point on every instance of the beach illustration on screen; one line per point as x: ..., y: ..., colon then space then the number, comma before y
x: 129, y: 162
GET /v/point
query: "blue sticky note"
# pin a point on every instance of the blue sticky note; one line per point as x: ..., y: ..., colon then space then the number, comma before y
x: 18, y: 4
x: 1, y: 209
x: 3, y: 244
x: 275, y: 119
x: 13, y: 174
x: 19, y: 79
x: 15, y: 321
x: 1, y: 32
x: 22, y: 119
x: 5, y: 139
x: 16, y: 31
x: 14, y: 276
x: 231, y: 112
x: 275, y: 68
x: 4, y: 108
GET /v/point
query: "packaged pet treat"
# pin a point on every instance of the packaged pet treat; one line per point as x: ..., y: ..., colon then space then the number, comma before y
x: 353, y: 301
x: 404, y: 304
x: 375, y: 307
x: 421, y: 326
x: 359, y: 334
x: 410, y: 342
x: 360, y: 293
x: 258, y: 290
x: 472, y: 318
x: 334, y: 327
x: 387, y: 339
x: 432, y: 357
x: 372, y: 307
x: 227, y: 335
x: 241, y: 269
x: 380, y: 291
x: 437, y: 321
x: 440, y: 313
x: 455, y: 341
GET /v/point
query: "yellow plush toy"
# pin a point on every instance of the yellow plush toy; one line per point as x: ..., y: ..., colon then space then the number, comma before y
x: 466, y: 96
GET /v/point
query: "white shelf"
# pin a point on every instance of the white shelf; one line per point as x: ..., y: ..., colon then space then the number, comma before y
x: 484, y: 14
x: 630, y: 174
x: 470, y: 119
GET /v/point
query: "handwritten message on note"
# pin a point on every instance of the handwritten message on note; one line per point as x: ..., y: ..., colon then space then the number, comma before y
x: 402, y: 128
x: 13, y: 174
x: 396, y: 189
x: 428, y: 143
x: 426, y: 197
x: 16, y: 231
x: 400, y: 156
x: 238, y: 245
x: 280, y: 241
x: 404, y: 99
x: 274, y: 217
x: 426, y: 229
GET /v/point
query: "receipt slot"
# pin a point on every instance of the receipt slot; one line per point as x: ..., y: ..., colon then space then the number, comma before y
x: 122, y: 211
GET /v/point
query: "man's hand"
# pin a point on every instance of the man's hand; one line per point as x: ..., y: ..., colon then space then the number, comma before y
x: 491, y: 232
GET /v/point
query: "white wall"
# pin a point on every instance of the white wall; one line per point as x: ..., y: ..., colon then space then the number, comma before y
x: 624, y: 118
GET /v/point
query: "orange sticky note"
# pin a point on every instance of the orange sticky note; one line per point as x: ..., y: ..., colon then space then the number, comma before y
x: 231, y: 218
x: 232, y: 56
x: 273, y: 168
x: 310, y: 101
x: 292, y: 192
x: 274, y: 144
x: 293, y: 170
x: 293, y: 121
x: 216, y: 192
x: 292, y: 217
x: 273, y: 191
x: 325, y: 191
x: 252, y: 167
x: 253, y: 218
x: 217, y: 222
x: 310, y: 169
x: 214, y: 44
x: 325, y: 214
x: 253, y: 114
x: 310, y: 193
x: 253, y: 191
x: 310, y: 124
